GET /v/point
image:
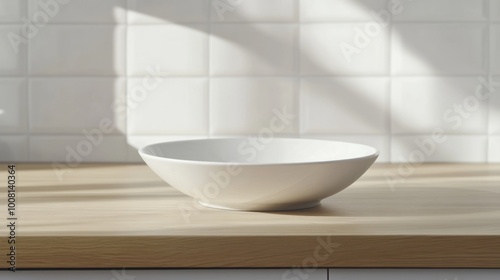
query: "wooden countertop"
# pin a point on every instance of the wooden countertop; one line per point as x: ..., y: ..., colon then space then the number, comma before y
x: 112, y: 215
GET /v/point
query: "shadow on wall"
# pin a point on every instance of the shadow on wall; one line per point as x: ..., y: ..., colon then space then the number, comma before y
x: 262, y: 48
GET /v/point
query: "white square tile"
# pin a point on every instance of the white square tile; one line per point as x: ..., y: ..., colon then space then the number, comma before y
x: 168, y: 106
x: 344, y: 105
x: 419, y: 105
x: 494, y: 149
x: 379, y: 142
x: 71, y: 105
x: 495, y: 49
x: 336, y: 49
x: 257, y: 49
x: 135, y: 142
x: 167, y: 11
x: 341, y: 10
x: 254, y: 11
x: 13, y: 148
x: 492, y: 86
x: 77, y: 11
x: 168, y: 49
x: 12, y: 10
x: 442, y: 10
x: 447, y: 48
x: 495, y: 10
x: 13, y: 105
x: 73, y: 150
x: 253, y: 106
x: 12, y: 51
x: 438, y: 148
x: 72, y: 50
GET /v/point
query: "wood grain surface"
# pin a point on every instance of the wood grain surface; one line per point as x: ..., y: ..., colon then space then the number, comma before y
x: 118, y: 215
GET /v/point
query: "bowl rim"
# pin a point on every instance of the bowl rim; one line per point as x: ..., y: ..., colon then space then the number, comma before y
x: 142, y: 152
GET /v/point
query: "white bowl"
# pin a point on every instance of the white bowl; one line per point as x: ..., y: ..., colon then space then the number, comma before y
x: 259, y: 174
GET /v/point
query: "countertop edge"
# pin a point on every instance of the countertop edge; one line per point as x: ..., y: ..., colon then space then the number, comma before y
x: 258, y: 251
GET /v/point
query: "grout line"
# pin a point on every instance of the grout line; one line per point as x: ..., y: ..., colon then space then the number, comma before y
x: 258, y: 22
x: 336, y: 136
x: 448, y: 133
x: 489, y: 55
x: 402, y: 134
x: 333, y: 134
x: 72, y: 134
x: 12, y: 134
x: 125, y: 101
x: 126, y: 23
x: 172, y: 135
x: 389, y: 102
x: 209, y: 74
x: 28, y: 90
x: 473, y: 75
x: 298, y: 83
x: 423, y: 22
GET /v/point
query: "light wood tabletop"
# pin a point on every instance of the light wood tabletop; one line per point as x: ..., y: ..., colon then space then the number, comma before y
x: 122, y: 215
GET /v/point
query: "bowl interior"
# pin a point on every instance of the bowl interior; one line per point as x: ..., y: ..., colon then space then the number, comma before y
x: 258, y: 151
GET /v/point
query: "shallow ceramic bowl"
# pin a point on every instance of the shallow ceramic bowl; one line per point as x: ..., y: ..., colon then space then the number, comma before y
x: 259, y: 174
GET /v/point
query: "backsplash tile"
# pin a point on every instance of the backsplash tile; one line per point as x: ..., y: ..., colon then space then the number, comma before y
x: 439, y: 49
x: 72, y: 50
x: 331, y: 49
x: 182, y: 102
x: 253, y: 49
x: 341, y: 10
x: 72, y: 105
x: 419, y: 105
x: 495, y: 10
x: 77, y: 11
x: 494, y: 149
x: 13, y: 110
x: 12, y: 11
x: 136, y: 142
x: 494, y: 113
x: 12, y: 51
x: 376, y: 72
x: 13, y: 148
x: 253, y: 106
x: 254, y: 11
x: 442, y: 10
x: 75, y: 149
x: 344, y: 105
x: 380, y: 142
x: 163, y: 50
x: 167, y: 11
x: 438, y: 148
x: 495, y: 49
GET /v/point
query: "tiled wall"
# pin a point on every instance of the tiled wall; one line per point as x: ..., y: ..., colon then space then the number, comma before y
x: 143, y: 71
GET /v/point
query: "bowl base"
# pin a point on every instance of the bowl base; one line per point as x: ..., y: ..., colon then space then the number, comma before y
x: 261, y: 207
